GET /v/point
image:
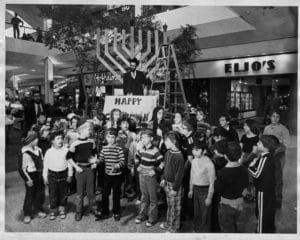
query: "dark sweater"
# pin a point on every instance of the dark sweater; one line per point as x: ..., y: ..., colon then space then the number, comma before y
x: 248, y: 143
x: 232, y: 135
x: 218, y: 161
x: 174, y: 169
x: 44, y: 144
x: 81, y: 150
x: 231, y: 182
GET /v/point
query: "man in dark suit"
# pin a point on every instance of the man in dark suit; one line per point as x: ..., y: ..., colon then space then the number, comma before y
x: 134, y: 81
x: 32, y: 111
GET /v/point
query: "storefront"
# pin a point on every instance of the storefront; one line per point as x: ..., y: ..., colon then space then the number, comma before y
x: 246, y: 87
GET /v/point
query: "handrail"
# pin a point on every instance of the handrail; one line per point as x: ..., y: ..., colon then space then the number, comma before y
x: 26, y: 27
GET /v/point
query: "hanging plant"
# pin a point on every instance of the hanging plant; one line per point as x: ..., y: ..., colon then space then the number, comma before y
x: 185, y: 44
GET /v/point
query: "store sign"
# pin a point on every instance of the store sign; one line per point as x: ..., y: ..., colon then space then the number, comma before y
x: 99, y: 78
x: 130, y: 104
x: 252, y: 66
x: 256, y: 66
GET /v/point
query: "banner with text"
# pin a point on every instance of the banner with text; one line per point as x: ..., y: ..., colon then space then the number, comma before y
x: 132, y: 105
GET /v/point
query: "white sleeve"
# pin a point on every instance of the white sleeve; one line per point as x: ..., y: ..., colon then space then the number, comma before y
x: 212, y: 177
x: 46, y: 161
x: 191, y: 177
x: 286, y: 137
x: 25, y: 159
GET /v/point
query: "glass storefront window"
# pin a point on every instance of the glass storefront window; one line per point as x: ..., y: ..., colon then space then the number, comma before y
x: 242, y: 101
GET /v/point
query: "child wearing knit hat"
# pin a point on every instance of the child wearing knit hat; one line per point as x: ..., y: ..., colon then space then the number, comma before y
x: 30, y: 169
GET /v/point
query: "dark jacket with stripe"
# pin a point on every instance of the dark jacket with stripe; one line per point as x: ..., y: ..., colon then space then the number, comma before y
x: 262, y: 170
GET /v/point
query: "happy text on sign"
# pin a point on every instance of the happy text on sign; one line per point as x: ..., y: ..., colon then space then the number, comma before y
x: 128, y: 101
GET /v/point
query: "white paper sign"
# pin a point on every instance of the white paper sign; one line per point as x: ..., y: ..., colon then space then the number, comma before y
x: 130, y: 104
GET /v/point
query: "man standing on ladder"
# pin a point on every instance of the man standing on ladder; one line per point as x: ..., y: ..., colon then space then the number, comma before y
x: 134, y: 81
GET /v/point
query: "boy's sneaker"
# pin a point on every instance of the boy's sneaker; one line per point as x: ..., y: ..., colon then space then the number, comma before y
x: 27, y: 219
x: 52, y: 216
x: 42, y: 214
x: 98, y: 191
x: 101, y: 217
x: 117, y: 217
x: 98, y: 214
x: 150, y: 224
x: 164, y: 226
x: 170, y: 230
x: 139, y: 220
x: 78, y: 216
x: 62, y: 215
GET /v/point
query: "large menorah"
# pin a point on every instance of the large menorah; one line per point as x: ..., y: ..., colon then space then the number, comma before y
x: 145, y: 58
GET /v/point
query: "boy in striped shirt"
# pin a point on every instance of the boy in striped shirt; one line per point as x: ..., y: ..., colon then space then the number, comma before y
x: 149, y: 161
x: 113, y: 158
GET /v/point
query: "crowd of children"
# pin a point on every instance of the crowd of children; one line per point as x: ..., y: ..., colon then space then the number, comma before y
x: 202, y: 174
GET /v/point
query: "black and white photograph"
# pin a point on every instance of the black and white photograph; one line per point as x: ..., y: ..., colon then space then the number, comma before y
x: 178, y: 119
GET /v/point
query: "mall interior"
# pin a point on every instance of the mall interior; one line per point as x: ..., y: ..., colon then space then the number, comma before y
x: 245, y: 64
x: 247, y: 56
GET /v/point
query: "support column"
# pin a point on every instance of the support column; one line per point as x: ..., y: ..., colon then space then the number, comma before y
x: 219, y: 92
x: 47, y: 23
x: 49, y: 78
x: 138, y: 9
x: 293, y: 111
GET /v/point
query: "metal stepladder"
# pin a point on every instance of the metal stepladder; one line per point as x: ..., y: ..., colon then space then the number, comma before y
x: 168, y: 80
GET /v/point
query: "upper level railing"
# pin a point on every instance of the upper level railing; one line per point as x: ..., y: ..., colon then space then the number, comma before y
x: 33, y: 36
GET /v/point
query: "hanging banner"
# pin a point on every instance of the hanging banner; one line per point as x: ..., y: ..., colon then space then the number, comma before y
x: 132, y: 105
